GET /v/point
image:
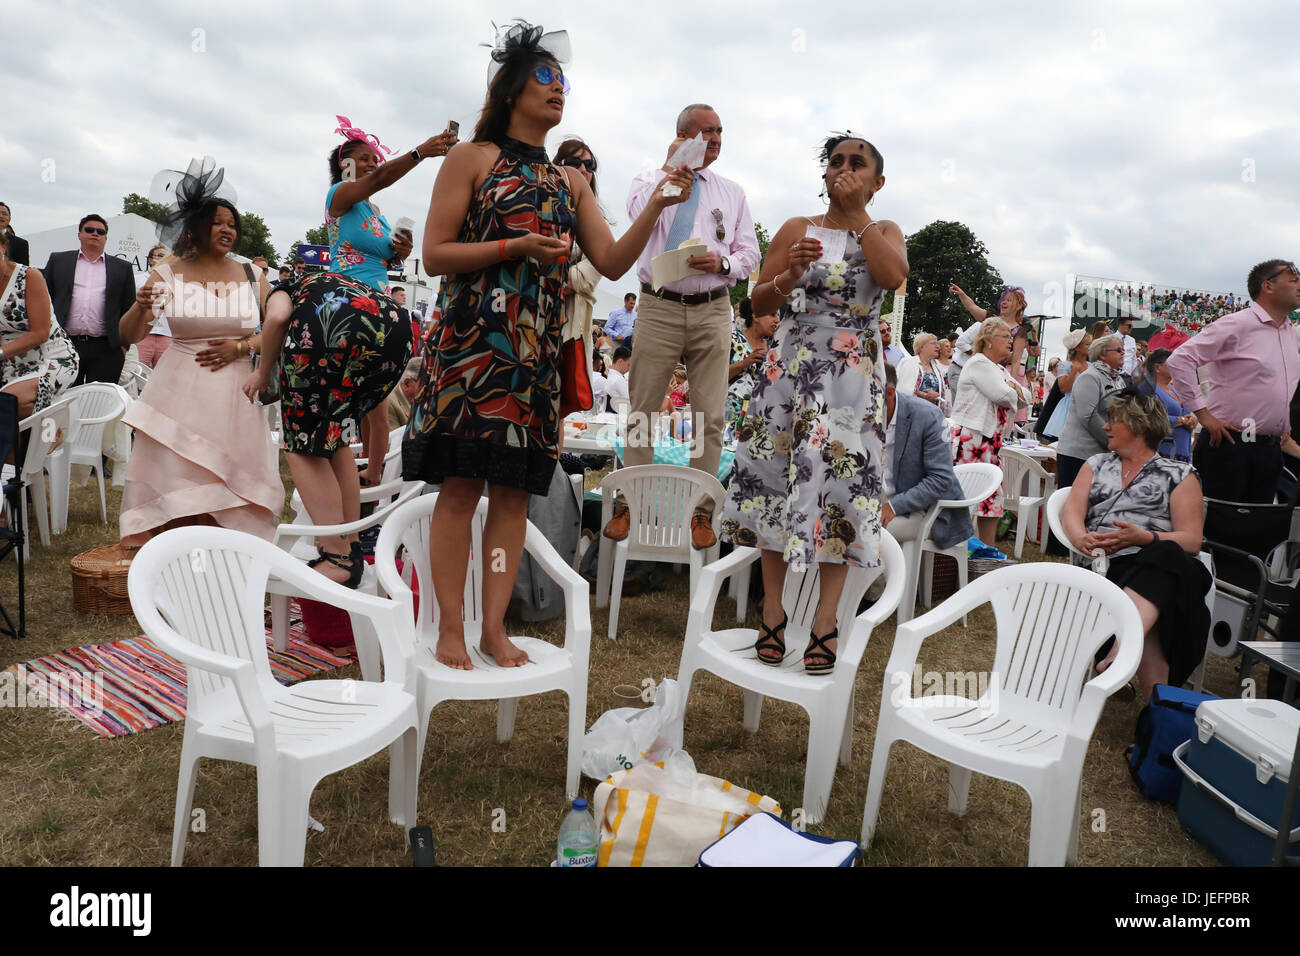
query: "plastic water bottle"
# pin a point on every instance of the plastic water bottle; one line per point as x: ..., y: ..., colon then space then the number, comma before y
x: 578, y: 837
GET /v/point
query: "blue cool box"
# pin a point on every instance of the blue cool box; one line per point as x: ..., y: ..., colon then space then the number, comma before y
x: 1235, y: 772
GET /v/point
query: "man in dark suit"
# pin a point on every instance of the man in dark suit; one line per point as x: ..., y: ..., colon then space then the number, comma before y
x: 91, y: 292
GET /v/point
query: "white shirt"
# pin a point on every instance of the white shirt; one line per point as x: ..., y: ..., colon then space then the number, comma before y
x: 964, y: 346
x: 616, y: 384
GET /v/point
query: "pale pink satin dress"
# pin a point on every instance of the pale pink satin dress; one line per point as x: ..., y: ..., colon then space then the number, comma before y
x: 200, y: 447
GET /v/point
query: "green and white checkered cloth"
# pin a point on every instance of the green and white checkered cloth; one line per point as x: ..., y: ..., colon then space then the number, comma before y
x: 669, y: 451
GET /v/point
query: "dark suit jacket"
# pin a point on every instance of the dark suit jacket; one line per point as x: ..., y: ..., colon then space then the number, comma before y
x: 119, y: 291
x: 921, y: 462
x: 18, y: 251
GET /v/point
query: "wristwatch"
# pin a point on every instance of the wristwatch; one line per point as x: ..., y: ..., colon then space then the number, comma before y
x: 415, y: 154
x: 726, y: 266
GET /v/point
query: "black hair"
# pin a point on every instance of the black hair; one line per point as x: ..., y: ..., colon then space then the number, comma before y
x: 621, y: 353
x: 630, y: 295
x: 517, y: 64
x: 196, y: 235
x: 340, y: 153
x: 93, y: 217
x: 747, y: 311
x: 572, y: 147
x: 891, y: 376
x: 833, y: 141
x: 1255, y: 280
x: 1159, y: 357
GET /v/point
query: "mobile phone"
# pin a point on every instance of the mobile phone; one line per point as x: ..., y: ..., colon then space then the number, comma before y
x: 453, y: 127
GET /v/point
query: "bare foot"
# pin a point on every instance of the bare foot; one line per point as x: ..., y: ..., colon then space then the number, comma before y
x: 451, y: 651
x: 499, y: 648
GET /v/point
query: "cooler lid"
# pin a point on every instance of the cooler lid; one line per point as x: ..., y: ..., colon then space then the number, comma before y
x: 1263, y: 731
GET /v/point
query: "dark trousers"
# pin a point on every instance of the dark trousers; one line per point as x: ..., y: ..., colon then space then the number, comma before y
x: 101, y: 361
x: 1242, y: 471
x: 1067, y: 469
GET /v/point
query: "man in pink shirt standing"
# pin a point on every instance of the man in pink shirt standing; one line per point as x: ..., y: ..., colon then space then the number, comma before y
x: 90, y: 292
x: 690, y: 319
x: 1254, y: 361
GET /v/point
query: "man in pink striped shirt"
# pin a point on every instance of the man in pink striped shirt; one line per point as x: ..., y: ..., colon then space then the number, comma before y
x: 1254, y: 361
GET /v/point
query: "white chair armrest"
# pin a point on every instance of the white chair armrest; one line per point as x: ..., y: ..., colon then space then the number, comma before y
x: 709, y: 587
x: 577, y: 592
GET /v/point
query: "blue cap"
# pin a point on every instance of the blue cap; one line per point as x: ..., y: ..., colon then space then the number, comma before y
x: 580, y: 804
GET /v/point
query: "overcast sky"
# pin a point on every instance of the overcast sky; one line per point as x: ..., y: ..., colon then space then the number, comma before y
x: 1155, y: 141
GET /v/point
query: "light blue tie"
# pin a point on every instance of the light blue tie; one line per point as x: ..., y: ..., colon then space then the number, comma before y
x: 684, y: 221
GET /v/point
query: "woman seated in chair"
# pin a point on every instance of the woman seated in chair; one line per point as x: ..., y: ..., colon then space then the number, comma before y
x: 1145, y: 513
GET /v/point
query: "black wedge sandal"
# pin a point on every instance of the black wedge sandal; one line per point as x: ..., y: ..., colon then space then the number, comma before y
x: 820, y: 659
x: 771, y: 642
x: 351, y: 563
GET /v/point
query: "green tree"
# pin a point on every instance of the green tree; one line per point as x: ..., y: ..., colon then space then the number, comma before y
x: 255, y: 238
x: 940, y: 254
x: 153, y: 211
x: 741, y: 288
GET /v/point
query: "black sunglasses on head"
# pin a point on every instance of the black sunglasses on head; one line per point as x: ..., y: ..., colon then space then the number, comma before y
x: 1289, y: 267
x: 574, y: 162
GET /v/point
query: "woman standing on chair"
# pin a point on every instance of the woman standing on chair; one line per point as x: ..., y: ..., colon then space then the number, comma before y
x: 37, y: 360
x: 342, y: 344
x: 499, y: 230
x: 986, y: 401
x: 809, y: 468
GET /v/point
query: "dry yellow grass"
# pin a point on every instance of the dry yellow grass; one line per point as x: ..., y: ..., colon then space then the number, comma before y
x: 68, y: 797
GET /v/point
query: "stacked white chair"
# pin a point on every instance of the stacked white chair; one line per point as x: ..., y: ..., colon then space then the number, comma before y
x: 1025, y: 486
x: 198, y: 594
x: 661, y: 499
x: 95, y: 407
x: 42, y: 430
x: 828, y: 700
x: 1033, y: 723
x: 549, y: 668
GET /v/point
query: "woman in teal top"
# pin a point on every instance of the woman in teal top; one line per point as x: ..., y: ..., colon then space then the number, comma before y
x: 342, y: 343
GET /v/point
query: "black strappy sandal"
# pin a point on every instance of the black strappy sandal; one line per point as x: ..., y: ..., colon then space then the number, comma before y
x: 822, y: 658
x: 770, y: 642
x: 351, y: 563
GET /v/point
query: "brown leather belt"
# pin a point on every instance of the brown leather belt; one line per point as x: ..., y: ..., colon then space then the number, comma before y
x: 690, y: 298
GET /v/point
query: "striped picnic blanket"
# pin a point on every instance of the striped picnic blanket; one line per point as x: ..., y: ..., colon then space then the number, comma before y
x: 129, y: 686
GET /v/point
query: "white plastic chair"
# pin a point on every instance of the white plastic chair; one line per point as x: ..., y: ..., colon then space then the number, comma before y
x: 1056, y: 504
x: 94, y: 407
x: 978, y: 480
x: 661, y: 499
x: 198, y: 595
x: 1032, y: 725
x: 828, y: 700
x: 43, y: 430
x: 1025, y: 486
x: 298, y: 539
x: 549, y: 667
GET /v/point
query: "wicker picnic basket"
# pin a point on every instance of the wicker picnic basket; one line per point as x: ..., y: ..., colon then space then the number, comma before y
x: 99, y: 580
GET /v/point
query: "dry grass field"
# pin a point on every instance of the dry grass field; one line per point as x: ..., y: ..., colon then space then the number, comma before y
x: 68, y: 797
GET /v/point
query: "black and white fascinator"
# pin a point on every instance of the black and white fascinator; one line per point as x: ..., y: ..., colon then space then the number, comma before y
x: 185, y: 195
x: 522, y: 39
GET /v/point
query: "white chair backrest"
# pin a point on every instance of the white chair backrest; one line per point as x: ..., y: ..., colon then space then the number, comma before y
x: 405, y: 535
x: 44, y: 427
x: 978, y: 481
x: 208, y: 585
x: 803, y: 590
x: 1021, y: 475
x: 661, y: 499
x: 94, y: 405
x: 1051, y: 619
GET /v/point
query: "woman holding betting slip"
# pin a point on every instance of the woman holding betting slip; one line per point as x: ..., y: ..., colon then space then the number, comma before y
x: 809, y: 468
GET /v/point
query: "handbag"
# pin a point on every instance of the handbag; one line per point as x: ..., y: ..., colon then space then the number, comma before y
x: 575, y: 378
x: 271, y: 394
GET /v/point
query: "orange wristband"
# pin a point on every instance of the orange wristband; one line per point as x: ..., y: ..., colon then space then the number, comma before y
x: 501, y: 250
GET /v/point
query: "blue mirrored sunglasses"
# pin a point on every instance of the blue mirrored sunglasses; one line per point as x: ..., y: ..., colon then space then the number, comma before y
x: 546, y: 76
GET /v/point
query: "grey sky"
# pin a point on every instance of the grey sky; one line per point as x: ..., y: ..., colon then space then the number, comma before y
x: 1156, y: 141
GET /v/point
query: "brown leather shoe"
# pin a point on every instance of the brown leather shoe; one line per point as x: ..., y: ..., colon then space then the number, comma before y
x: 702, y: 536
x: 618, y: 526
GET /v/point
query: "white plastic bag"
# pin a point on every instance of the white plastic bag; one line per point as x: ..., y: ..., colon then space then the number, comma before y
x: 620, y: 738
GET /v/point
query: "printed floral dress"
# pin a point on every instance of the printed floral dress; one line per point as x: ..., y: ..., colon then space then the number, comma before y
x: 54, y: 363
x: 809, y: 465
x: 347, y: 343
x: 489, y: 392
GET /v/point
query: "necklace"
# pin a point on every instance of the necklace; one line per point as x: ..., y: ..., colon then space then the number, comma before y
x: 1126, y: 475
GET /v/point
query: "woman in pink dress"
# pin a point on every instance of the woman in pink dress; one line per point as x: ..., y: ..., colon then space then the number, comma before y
x: 202, y: 453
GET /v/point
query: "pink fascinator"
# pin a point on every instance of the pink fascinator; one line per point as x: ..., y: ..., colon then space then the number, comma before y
x: 348, y: 131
